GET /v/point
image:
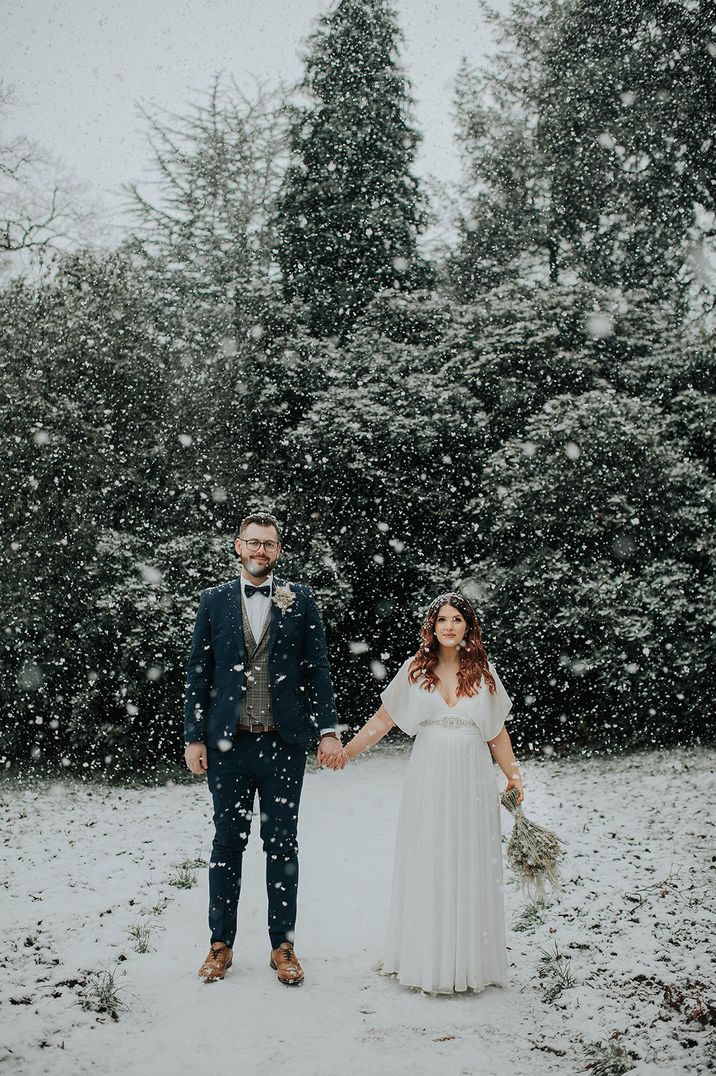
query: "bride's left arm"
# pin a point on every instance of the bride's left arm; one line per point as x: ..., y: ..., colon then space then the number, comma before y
x: 501, y: 747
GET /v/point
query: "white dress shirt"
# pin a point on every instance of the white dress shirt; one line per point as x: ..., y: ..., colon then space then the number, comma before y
x: 258, y: 606
x: 258, y: 610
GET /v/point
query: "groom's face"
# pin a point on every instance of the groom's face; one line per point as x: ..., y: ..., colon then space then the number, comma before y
x: 258, y: 562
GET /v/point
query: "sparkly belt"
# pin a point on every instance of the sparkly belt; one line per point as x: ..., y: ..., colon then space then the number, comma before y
x: 447, y: 723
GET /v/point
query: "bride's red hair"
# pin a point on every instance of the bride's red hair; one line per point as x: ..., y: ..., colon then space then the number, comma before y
x: 473, y: 656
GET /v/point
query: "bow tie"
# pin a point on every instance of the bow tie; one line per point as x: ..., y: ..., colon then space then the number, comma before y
x: 249, y: 591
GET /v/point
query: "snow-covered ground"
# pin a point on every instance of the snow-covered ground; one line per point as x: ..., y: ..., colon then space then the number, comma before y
x: 86, y: 868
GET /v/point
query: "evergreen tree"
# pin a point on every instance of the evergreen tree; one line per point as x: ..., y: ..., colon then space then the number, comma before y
x: 587, y: 147
x: 507, y: 231
x: 627, y: 122
x: 599, y: 576
x: 350, y: 210
x: 91, y: 457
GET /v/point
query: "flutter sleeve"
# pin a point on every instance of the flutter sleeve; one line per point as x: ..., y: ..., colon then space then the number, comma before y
x: 495, y: 708
x: 399, y: 699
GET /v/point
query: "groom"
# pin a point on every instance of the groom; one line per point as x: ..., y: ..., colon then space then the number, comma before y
x: 258, y: 692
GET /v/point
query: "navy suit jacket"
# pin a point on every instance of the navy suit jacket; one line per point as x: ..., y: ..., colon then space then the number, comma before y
x: 299, y: 675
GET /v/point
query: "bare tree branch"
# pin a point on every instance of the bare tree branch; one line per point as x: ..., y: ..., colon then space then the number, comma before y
x: 209, y: 205
x: 40, y: 202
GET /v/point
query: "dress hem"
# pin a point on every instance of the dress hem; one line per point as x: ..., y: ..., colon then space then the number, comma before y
x: 432, y: 991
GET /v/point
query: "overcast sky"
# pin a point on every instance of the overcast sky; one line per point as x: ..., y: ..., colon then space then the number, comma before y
x: 79, y: 67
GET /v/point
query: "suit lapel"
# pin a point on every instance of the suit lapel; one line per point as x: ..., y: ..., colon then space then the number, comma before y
x: 237, y: 620
x: 275, y: 622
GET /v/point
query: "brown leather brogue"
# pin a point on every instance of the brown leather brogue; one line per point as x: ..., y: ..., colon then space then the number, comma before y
x: 217, y: 962
x: 285, y: 963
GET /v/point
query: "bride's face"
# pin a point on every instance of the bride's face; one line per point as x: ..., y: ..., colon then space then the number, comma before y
x: 450, y: 626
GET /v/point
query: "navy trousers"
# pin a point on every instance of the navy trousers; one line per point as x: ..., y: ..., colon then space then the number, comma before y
x: 261, y: 763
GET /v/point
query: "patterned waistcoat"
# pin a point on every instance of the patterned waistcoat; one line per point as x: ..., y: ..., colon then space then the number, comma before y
x: 255, y: 706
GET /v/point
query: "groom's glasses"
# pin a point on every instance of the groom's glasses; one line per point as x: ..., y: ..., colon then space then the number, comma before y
x: 253, y: 545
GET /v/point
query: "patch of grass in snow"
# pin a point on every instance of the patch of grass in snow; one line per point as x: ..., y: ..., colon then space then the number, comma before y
x: 158, y: 908
x: 608, y: 1058
x: 141, y: 933
x: 554, y: 972
x: 101, y: 994
x: 531, y: 916
x: 193, y: 864
x: 183, y: 878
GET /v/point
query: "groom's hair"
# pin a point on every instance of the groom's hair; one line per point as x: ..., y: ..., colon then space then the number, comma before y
x: 261, y: 519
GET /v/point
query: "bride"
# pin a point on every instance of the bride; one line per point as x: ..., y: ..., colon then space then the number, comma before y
x: 446, y: 926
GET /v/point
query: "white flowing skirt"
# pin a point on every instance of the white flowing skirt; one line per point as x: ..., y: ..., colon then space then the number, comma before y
x: 446, y: 926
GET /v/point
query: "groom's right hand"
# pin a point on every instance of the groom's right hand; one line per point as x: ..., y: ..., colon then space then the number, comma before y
x: 196, y: 758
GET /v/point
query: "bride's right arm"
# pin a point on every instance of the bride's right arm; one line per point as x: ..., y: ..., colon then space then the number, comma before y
x: 374, y: 730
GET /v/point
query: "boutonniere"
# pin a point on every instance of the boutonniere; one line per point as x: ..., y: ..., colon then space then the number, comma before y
x: 284, y: 598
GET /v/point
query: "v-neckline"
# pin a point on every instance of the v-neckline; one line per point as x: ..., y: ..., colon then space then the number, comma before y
x: 446, y: 702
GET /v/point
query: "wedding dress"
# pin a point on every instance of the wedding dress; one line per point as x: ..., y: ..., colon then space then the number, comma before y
x: 446, y: 925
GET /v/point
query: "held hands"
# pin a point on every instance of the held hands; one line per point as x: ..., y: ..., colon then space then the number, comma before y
x: 331, y: 753
x: 337, y: 762
x: 196, y: 758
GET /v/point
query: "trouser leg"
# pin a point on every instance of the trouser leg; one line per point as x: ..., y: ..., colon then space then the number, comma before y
x: 233, y: 785
x: 281, y: 767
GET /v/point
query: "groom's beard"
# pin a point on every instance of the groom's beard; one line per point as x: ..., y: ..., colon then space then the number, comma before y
x: 258, y: 570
